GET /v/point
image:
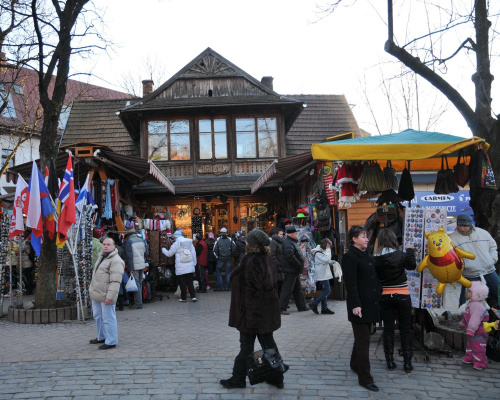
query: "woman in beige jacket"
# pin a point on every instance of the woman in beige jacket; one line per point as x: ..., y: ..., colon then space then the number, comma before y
x: 106, y: 279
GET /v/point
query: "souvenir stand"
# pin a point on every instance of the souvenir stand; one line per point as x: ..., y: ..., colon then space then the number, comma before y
x: 425, y: 150
x: 159, y: 231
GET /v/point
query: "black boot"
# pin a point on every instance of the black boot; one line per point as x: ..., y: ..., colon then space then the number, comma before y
x: 389, y: 351
x: 406, y: 347
x: 407, y: 356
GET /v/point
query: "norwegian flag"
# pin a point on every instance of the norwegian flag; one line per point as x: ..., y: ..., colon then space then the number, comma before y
x: 66, y: 203
x: 17, y: 225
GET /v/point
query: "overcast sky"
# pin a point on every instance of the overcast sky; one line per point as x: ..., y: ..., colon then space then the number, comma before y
x: 287, y: 39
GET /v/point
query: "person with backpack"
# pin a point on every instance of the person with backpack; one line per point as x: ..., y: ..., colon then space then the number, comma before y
x: 185, y: 261
x: 224, y: 250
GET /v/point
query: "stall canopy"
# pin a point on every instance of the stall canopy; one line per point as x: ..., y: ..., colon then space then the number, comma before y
x: 132, y: 169
x: 284, y: 169
x: 423, y: 148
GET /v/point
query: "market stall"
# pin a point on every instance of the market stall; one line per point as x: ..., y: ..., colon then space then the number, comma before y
x: 409, y: 150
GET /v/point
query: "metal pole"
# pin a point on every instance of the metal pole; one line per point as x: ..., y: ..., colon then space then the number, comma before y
x: 20, y: 268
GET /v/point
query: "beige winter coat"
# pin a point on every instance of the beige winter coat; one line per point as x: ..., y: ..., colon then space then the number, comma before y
x: 107, y: 277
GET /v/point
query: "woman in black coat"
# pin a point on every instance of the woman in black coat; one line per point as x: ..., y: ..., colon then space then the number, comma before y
x: 390, y: 265
x: 363, y: 296
x: 254, y: 309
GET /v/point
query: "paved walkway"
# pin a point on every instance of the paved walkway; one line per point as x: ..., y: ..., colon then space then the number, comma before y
x: 171, y: 350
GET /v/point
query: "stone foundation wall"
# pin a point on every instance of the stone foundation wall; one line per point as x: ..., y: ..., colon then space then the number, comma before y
x: 42, y: 316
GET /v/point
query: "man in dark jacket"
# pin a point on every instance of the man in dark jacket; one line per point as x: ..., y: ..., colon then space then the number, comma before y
x: 224, y: 250
x: 135, y: 251
x: 292, y: 266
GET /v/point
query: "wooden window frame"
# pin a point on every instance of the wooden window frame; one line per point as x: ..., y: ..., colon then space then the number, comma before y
x: 226, y: 118
x: 255, y: 117
x: 168, y: 121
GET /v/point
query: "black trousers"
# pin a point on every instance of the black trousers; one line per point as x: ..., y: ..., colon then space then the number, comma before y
x: 186, y: 280
x: 247, y: 341
x: 291, y: 285
x: 360, y: 357
x: 397, y: 305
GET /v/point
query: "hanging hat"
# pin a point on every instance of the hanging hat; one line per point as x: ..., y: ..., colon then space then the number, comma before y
x: 257, y: 238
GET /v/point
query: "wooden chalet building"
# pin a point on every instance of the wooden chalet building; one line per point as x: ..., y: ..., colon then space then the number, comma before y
x: 214, y: 131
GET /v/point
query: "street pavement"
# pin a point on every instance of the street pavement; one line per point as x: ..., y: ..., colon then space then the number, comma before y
x: 179, y: 351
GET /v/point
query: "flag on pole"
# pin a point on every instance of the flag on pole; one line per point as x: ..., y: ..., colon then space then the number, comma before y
x: 84, y: 197
x: 39, y: 206
x: 66, y: 202
x: 17, y: 225
x: 51, y: 182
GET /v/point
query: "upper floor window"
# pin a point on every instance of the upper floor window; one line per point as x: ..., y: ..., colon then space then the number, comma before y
x: 212, y: 138
x: 9, y: 111
x: 6, y: 153
x: 256, y: 138
x: 169, y: 140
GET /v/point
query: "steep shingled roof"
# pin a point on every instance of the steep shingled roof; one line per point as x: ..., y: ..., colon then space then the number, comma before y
x: 97, y: 121
x: 324, y: 116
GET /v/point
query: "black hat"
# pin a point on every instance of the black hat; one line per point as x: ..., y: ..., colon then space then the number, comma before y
x: 291, y: 229
x: 257, y: 238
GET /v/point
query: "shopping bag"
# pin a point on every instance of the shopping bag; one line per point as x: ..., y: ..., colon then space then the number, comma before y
x: 265, y: 365
x: 390, y: 177
x: 131, y: 285
x: 487, y: 175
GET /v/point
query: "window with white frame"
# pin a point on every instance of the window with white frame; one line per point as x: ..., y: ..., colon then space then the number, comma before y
x: 169, y: 140
x: 9, y: 111
x: 212, y: 135
x: 256, y: 137
x: 6, y: 153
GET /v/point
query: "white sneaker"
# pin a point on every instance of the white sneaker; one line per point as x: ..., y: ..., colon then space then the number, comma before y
x: 208, y: 287
x: 182, y: 301
x: 194, y: 300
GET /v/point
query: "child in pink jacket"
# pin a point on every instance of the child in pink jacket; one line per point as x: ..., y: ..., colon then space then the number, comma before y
x: 475, y: 314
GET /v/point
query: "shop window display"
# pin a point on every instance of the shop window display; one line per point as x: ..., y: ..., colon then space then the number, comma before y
x: 255, y: 215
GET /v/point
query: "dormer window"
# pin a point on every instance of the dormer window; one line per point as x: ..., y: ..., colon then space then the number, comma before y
x: 9, y: 111
x: 169, y: 140
x: 256, y: 138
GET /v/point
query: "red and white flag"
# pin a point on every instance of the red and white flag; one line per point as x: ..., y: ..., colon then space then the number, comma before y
x: 17, y: 225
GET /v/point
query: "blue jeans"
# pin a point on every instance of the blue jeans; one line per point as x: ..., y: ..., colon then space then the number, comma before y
x: 202, y: 270
x: 218, y: 268
x: 323, y: 296
x: 138, y: 281
x: 492, y: 283
x: 105, y: 318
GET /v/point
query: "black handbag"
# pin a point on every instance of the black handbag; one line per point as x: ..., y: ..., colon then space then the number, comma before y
x: 461, y: 170
x: 265, y: 365
x: 445, y: 182
x: 406, y: 190
x: 493, y: 347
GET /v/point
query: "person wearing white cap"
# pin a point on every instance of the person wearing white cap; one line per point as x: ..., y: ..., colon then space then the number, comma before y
x: 480, y: 243
x: 224, y: 250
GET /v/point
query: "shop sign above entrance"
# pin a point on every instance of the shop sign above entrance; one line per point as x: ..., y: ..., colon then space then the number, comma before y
x: 214, y: 169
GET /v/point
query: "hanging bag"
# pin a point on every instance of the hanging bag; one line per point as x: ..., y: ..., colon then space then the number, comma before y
x: 131, y: 286
x: 390, y: 177
x: 265, y: 365
x: 487, y: 175
x: 445, y: 183
x: 406, y: 190
x: 461, y: 170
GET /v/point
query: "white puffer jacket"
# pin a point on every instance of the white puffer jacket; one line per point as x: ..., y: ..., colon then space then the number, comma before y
x: 182, y: 268
x: 107, y: 277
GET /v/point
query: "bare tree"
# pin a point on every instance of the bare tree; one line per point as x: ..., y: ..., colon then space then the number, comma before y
x: 151, y: 69
x: 427, y: 55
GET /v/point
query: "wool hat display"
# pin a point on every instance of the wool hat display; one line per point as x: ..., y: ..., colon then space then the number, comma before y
x: 223, y: 230
x: 464, y: 220
x: 291, y: 229
x: 258, y: 238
